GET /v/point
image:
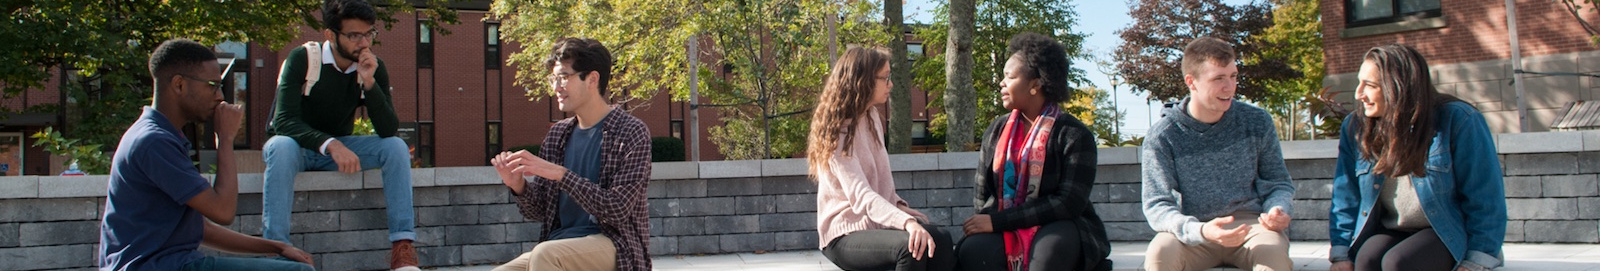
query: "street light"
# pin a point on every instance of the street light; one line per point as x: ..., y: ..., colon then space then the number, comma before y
x: 1116, y: 108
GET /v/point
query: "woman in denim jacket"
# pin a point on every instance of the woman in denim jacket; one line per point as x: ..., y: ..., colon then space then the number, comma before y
x: 1418, y: 183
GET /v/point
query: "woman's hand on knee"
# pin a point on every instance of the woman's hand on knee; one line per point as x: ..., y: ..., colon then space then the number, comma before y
x: 918, y: 240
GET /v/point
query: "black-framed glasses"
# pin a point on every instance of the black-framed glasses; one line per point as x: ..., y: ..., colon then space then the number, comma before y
x: 370, y: 34
x: 560, y: 79
x: 217, y: 84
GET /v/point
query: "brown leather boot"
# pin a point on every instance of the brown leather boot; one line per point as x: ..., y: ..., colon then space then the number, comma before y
x: 403, y: 257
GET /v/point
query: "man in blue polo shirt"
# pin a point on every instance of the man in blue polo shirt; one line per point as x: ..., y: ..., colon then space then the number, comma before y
x: 158, y: 204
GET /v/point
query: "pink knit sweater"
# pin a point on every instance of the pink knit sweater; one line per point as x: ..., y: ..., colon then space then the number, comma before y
x: 856, y: 191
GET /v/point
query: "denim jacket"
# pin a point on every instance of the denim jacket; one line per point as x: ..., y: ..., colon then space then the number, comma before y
x: 1463, y: 195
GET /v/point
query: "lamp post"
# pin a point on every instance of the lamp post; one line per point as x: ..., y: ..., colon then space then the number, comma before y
x: 1116, y: 108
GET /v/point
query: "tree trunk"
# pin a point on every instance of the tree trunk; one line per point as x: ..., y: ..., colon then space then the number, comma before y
x: 959, y: 97
x: 899, y: 132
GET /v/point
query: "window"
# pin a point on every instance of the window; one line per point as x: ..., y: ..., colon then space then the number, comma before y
x: 491, y: 140
x: 913, y: 52
x: 491, y: 48
x: 424, y: 155
x: 1372, y: 12
x: 677, y: 129
x: 919, y: 132
x: 424, y: 45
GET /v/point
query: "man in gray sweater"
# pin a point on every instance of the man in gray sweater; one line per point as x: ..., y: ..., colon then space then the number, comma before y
x: 1215, y: 188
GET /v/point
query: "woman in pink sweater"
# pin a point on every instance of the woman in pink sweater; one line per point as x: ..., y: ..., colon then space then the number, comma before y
x: 861, y: 223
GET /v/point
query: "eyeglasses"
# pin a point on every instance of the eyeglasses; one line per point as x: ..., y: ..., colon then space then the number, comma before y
x: 217, y: 84
x: 370, y: 34
x: 560, y: 79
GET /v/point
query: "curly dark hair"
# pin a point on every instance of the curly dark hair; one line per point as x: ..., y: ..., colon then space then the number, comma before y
x: 583, y: 55
x: 334, y: 12
x: 1045, y: 59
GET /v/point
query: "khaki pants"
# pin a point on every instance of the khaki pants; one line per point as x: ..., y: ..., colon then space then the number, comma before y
x: 1264, y: 250
x: 593, y: 252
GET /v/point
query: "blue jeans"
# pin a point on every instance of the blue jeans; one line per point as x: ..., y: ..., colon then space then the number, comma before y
x: 248, y: 264
x: 285, y: 158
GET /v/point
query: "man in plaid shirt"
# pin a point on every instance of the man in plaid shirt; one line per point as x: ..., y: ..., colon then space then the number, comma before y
x: 587, y: 184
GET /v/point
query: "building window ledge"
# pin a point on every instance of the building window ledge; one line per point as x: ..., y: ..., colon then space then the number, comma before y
x: 1395, y: 27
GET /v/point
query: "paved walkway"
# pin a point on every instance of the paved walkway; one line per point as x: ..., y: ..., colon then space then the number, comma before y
x: 1127, y: 255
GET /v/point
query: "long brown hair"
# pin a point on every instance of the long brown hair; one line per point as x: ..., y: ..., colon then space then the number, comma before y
x: 1398, y: 140
x: 846, y: 96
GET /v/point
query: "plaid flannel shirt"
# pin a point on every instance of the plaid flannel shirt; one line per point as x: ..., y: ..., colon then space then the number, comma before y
x: 617, y: 201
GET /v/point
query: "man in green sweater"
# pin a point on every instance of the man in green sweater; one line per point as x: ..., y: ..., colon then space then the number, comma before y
x: 319, y: 88
x: 1215, y: 188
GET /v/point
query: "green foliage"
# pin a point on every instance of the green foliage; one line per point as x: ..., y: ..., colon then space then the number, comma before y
x: 103, y: 48
x: 1149, y: 58
x: 90, y: 158
x: 363, y: 126
x: 996, y: 21
x: 1295, y: 38
x: 771, y: 51
x: 666, y: 149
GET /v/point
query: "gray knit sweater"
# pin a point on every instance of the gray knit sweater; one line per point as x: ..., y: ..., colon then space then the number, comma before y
x: 1194, y: 172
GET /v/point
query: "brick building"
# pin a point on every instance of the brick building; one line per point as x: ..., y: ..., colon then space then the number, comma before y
x: 1468, y: 46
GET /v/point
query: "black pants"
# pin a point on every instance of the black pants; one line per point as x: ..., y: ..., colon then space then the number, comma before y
x: 876, y: 250
x: 1397, y: 250
x: 1056, y: 246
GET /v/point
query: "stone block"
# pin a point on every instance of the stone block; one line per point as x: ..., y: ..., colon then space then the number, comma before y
x: 675, y: 226
x: 447, y: 215
x: 783, y: 167
x: 1571, y: 185
x: 754, y: 205
x: 1514, y: 231
x: 1313, y: 188
x: 439, y: 256
x: 663, y: 245
x: 1480, y: 91
x: 1311, y: 168
x: 430, y: 196
x: 454, y: 176
x: 326, y: 181
x: 914, y: 162
x: 664, y: 207
x: 499, y: 213
x: 1542, y: 208
x: 1565, y: 231
x: 1309, y: 149
x: 788, y: 185
x: 730, y: 169
x: 935, y: 180
x: 704, y: 244
x: 474, y: 234
x: 57, y: 209
x: 787, y: 222
x: 949, y: 198
x: 706, y: 206
x: 1311, y: 209
x: 345, y: 200
x: 733, y: 224
x: 1101, y: 193
x: 1540, y: 164
x: 958, y: 160
x: 1546, y: 142
x: 1123, y: 193
x: 249, y: 204
x: 1120, y: 212
x: 962, y: 178
x: 733, y: 243
x: 343, y: 241
x: 314, y: 222
x: 914, y: 198
x: 526, y: 232
x: 1118, y: 174
x: 692, y: 188
x: 248, y: 225
x: 903, y: 180
x: 1118, y: 156
x: 936, y: 216
x: 959, y: 215
x: 20, y: 187
x: 59, y: 233
x: 354, y: 260
x: 48, y: 257
x: 1588, y: 208
x: 1129, y: 231
x: 795, y: 240
x: 9, y: 235
x: 733, y: 187
x: 1308, y: 229
x: 429, y: 236
x: 72, y: 186
x: 1589, y: 162
x: 1524, y: 186
x: 490, y: 253
x: 479, y: 194
x: 674, y: 170
x: 796, y: 203
x: 363, y: 219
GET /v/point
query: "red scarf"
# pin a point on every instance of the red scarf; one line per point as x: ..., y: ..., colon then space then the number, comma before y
x: 1020, y: 163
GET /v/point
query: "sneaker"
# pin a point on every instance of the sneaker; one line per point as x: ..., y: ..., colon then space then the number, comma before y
x: 403, y: 257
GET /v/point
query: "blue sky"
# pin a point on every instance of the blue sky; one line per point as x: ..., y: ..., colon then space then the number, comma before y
x: 1098, y: 20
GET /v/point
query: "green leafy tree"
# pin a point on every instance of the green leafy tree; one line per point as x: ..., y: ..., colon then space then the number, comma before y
x: 1295, y: 38
x: 102, y: 48
x: 995, y: 21
x: 1150, y: 56
x: 768, y: 72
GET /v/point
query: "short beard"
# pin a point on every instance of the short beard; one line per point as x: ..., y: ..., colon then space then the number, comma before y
x: 343, y: 53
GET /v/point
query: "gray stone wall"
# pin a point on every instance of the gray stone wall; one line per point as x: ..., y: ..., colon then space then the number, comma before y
x: 465, y: 217
x: 1487, y: 86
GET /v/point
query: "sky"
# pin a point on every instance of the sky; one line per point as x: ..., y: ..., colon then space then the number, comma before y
x: 1099, y: 21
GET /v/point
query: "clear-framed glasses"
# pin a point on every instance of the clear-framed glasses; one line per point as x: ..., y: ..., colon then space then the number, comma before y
x: 370, y: 34
x: 560, y: 79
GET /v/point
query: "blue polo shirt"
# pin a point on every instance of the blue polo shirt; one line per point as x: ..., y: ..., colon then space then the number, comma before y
x: 147, y: 225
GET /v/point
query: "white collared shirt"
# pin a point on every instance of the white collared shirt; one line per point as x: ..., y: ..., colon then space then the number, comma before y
x: 327, y: 58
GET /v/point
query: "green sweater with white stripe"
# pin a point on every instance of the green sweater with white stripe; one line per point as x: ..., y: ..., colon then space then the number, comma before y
x: 330, y: 109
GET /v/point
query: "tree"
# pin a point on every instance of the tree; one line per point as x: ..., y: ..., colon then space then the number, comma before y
x: 1575, y: 8
x: 898, y: 136
x: 1104, y: 117
x: 1149, y: 57
x: 995, y: 21
x: 1295, y: 38
x: 960, y: 108
x: 102, y: 48
x: 766, y: 80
